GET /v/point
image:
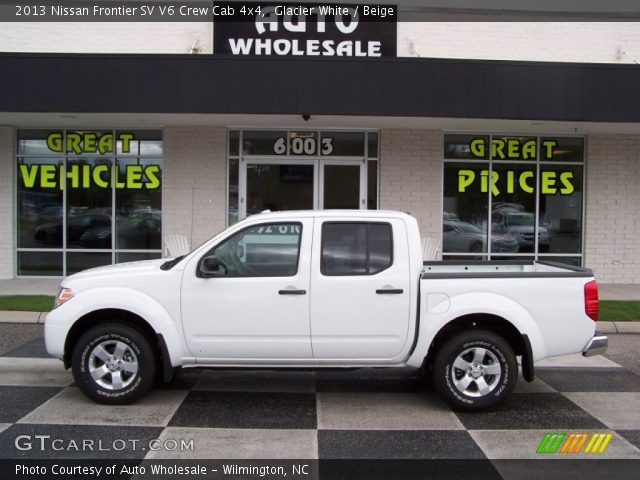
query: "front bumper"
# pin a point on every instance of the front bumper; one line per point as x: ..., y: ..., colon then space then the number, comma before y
x: 56, y: 330
x: 596, y: 346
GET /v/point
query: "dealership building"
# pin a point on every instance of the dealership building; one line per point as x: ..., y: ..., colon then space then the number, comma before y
x: 506, y: 140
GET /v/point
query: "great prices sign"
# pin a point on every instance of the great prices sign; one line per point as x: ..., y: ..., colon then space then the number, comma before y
x: 513, y: 170
x: 306, y: 30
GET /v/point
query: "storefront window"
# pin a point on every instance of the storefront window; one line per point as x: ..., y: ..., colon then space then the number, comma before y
x: 464, y: 220
x: 372, y: 146
x: 88, y: 210
x: 513, y: 209
x: 74, y: 193
x: 264, y: 142
x: 40, y: 203
x: 460, y: 147
x: 342, y: 144
x: 528, y: 190
x: 561, y: 207
x: 372, y: 185
x: 39, y: 263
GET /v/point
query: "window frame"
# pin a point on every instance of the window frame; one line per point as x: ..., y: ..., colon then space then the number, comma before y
x: 65, y: 156
x: 539, y: 165
x: 211, y: 251
x: 367, y: 224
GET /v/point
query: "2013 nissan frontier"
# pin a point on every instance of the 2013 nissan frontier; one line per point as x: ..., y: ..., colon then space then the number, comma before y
x: 315, y: 289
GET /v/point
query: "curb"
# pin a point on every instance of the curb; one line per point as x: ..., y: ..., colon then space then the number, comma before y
x: 7, y: 316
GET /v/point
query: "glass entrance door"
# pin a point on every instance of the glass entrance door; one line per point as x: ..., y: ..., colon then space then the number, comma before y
x: 302, y: 185
x: 342, y: 185
x: 286, y: 169
x: 280, y: 186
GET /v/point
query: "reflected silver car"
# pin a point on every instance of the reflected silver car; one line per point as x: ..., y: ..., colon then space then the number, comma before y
x: 460, y: 236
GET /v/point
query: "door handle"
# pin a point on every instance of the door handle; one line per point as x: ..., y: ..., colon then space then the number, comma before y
x: 389, y: 291
x: 292, y: 292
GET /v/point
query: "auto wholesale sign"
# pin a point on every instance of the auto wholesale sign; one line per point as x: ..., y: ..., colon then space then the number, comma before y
x: 305, y: 30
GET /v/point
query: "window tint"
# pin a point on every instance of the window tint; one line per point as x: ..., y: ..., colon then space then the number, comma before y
x: 356, y: 248
x: 269, y: 250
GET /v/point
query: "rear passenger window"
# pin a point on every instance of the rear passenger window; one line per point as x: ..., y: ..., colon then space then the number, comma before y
x: 356, y: 248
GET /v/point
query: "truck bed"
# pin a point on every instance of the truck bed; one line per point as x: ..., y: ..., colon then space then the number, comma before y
x: 501, y: 269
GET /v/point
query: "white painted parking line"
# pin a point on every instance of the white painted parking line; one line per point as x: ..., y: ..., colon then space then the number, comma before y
x: 238, y: 443
x: 617, y: 410
x: 384, y: 411
x: 33, y: 372
x: 577, y: 360
x: 522, y: 444
x: 70, y: 406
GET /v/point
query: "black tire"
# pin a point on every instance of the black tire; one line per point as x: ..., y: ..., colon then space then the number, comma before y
x: 449, y: 381
x: 137, y: 350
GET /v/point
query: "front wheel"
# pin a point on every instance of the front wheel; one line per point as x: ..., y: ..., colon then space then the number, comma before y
x: 113, y: 364
x: 475, y: 371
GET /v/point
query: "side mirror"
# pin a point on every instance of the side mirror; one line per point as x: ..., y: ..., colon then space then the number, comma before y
x: 209, y: 266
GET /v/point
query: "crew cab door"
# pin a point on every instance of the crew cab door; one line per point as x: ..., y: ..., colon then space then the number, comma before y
x: 360, y: 289
x: 257, y: 304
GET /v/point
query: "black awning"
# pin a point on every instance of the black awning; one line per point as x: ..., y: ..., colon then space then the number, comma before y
x: 402, y: 87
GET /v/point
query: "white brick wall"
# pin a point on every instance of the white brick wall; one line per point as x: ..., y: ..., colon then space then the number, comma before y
x: 7, y: 203
x: 597, y: 42
x: 613, y: 208
x: 411, y: 176
x: 194, y: 182
x: 108, y: 37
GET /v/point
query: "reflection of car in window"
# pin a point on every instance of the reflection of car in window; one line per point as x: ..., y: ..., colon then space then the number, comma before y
x: 49, y: 214
x: 520, y: 224
x: 77, y: 225
x: 460, y: 236
x: 136, y: 231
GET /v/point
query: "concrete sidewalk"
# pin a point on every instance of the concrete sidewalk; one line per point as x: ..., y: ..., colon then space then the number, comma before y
x: 30, y: 286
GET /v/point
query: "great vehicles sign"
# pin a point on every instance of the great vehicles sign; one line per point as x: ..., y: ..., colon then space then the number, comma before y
x: 306, y: 30
x: 85, y: 168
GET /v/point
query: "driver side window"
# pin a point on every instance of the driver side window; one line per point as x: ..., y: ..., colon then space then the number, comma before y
x: 267, y: 250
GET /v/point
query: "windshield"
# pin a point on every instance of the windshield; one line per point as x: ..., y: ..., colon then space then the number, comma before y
x: 169, y: 264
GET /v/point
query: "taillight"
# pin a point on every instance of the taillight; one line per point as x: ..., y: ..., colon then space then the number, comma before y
x: 591, y: 300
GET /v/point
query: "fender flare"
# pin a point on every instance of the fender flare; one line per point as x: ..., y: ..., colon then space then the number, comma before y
x: 476, y: 303
x: 136, y: 302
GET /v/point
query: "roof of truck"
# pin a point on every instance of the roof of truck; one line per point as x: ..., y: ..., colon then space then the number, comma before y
x: 329, y: 213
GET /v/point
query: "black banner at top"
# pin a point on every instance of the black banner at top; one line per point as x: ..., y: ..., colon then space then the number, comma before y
x: 305, y: 30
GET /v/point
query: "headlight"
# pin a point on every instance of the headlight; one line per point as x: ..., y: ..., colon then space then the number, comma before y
x: 64, y: 294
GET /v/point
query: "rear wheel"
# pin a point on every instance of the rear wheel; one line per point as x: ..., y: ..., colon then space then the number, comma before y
x: 475, y: 370
x: 113, y: 364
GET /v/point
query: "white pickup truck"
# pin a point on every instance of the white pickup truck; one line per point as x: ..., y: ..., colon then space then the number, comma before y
x: 318, y: 289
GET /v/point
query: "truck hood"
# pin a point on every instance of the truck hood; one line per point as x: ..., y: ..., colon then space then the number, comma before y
x: 142, y: 266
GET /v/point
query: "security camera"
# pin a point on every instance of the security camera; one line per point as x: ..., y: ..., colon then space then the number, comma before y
x: 306, y: 117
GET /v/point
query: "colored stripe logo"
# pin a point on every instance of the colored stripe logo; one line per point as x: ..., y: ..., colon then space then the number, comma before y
x: 556, y: 442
